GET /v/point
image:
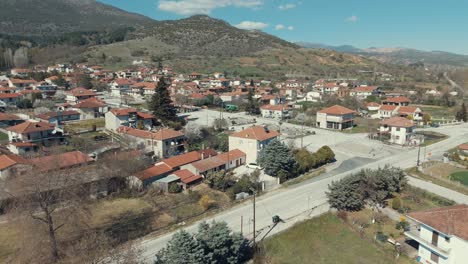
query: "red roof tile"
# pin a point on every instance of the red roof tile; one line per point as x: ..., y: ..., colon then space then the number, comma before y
x: 163, y: 134
x: 399, y: 99
x: 7, y: 117
x: 256, y: 132
x: 398, y: 121
x: 7, y: 161
x: 9, y: 95
x: 29, y: 127
x: 388, y: 107
x: 187, y: 176
x: 270, y: 107
x: 450, y: 220
x: 61, y: 161
x: 181, y: 160
x: 154, y: 171
x: 337, y: 110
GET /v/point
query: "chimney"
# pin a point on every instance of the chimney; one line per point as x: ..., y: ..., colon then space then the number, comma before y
x: 203, y: 155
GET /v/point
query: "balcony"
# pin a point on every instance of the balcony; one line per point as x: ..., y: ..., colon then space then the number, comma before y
x: 415, y: 235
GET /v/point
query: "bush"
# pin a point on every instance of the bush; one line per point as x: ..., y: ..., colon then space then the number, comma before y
x: 174, y: 188
x: 206, y: 202
x: 343, y: 215
x: 402, y: 225
x: 396, y: 203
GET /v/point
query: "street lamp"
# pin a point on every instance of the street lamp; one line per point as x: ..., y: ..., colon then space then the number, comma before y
x: 254, y: 234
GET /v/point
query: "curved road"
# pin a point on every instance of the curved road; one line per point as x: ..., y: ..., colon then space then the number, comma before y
x: 294, y: 203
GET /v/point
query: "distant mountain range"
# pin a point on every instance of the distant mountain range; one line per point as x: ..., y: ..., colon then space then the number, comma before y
x: 399, y: 55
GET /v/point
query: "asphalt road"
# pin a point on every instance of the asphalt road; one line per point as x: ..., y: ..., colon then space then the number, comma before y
x: 294, y: 203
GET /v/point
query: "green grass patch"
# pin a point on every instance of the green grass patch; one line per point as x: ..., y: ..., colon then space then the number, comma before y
x: 325, y: 239
x: 3, y: 136
x: 460, y: 176
x: 85, y: 125
x: 431, y: 137
x: 416, y: 199
x: 444, y: 183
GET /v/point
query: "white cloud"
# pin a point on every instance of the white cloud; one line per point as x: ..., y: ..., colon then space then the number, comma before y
x: 287, y: 6
x: 251, y: 25
x: 290, y: 28
x: 279, y: 27
x: 192, y: 7
x: 352, y: 19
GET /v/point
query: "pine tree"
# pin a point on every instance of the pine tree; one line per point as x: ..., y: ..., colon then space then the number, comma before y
x: 252, y: 105
x: 161, y: 104
x: 277, y: 159
x: 182, y: 248
x: 462, y: 115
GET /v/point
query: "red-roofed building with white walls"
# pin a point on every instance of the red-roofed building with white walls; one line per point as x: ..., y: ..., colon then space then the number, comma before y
x: 251, y: 141
x: 128, y: 117
x: 400, y: 130
x: 335, y: 117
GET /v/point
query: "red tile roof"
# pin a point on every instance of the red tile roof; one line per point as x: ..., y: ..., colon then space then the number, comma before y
x: 398, y: 121
x: 7, y: 117
x: 337, y: 110
x: 90, y: 103
x: 122, y: 81
x: 154, y: 171
x: 372, y: 104
x: 123, y: 111
x: 187, y: 176
x: 183, y: 159
x: 256, y: 132
x: 145, y: 115
x: 217, y: 161
x: 388, y: 107
x: 7, y: 161
x: 450, y: 220
x: 80, y: 91
x: 61, y: 161
x: 9, y: 95
x: 365, y: 89
x: 407, y: 110
x: 463, y: 147
x: 30, y: 127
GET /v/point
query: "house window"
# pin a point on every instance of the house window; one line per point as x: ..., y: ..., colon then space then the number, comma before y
x: 447, y: 239
x: 397, y: 129
x: 434, y: 257
x: 397, y: 137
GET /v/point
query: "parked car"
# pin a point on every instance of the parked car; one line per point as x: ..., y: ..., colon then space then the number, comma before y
x: 254, y: 166
x: 435, y: 125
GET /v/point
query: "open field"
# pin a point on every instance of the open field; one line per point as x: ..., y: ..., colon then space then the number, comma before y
x: 460, y: 176
x: 74, y: 127
x: 439, y: 112
x: 3, y: 136
x: 415, y: 199
x: 440, y: 179
x: 325, y: 239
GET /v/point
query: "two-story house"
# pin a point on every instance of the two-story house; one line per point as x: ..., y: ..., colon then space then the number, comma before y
x: 279, y: 111
x: 398, y: 101
x: 363, y: 92
x: 91, y: 108
x: 336, y: 117
x: 163, y: 143
x: 128, y: 117
x: 251, y: 141
x: 224, y: 161
x: 441, y: 234
x: 400, y: 130
x: 27, y: 136
x: 120, y: 86
x: 57, y: 118
x: 79, y: 94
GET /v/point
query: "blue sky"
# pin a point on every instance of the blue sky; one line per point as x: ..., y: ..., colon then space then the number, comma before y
x: 420, y: 24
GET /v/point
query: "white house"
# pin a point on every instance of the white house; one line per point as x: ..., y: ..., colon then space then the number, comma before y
x: 13, y: 164
x: 441, y: 234
x: 128, y: 117
x: 75, y: 95
x: 29, y: 135
x: 120, y: 86
x: 163, y: 143
x: 251, y: 141
x: 335, y: 117
x: 363, y: 92
x: 400, y: 130
x: 225, y: 161
x: 275, y: 111
x: 387, y: 111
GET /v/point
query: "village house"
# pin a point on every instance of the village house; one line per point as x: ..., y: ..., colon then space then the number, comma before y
x: 13, y: 164
x: 27, y: 136
x: 397, y: 101
x: 335, y: 117
x: 57, y: 118
x: 120, y: 86
x: 128, y: 117
x: 10, y: 98
x: 363, y: 92
x: 20, y: 84
x: 7, y: 120
x: 224, y: 161
x: 251, y: 141
x: 91, y: 108
x: 463, y: 151
x: 79, y: 94
x: 387, y: 111
x: 163, y: 143
x: 47, y: 90
x: 441, y: 234
x: 373, y: 106
x: 280, y: 111
x: 21, y: 73
x: 61, y: 161
x: 400, y: 131
x: 233, y: 96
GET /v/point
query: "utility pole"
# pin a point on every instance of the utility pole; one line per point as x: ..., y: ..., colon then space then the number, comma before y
x: 419, y: 152
x: 242, y: 224
x: 254, y: 234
